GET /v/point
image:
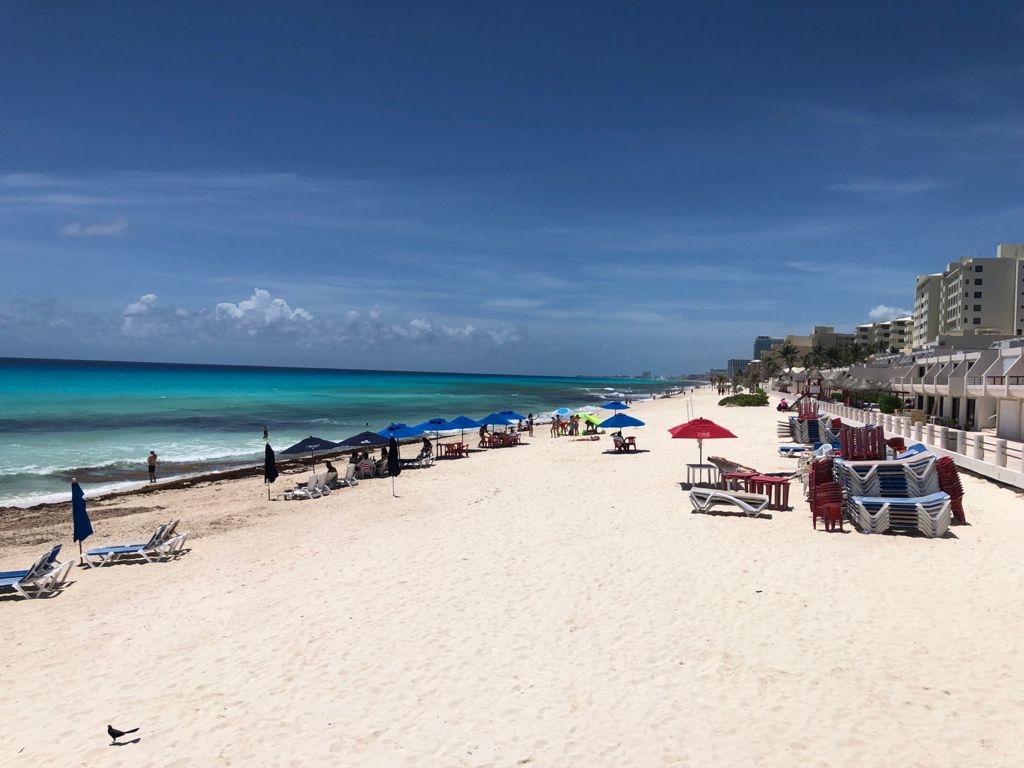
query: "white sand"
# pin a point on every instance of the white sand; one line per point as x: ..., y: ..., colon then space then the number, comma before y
x: 546, y: 605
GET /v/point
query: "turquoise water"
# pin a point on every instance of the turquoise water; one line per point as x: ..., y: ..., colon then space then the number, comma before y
x: 97, y: 421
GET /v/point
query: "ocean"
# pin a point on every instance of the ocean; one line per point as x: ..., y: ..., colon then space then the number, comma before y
x: 98, y: 421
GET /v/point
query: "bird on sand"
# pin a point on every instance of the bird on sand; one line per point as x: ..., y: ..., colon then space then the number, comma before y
x: 116, y: 734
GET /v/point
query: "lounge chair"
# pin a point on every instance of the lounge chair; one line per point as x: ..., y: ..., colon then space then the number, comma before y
x: 159, y: 547
x: 44, y: 577
x: 308, y: 490
x: 703, y: 499
x: 349, y: 478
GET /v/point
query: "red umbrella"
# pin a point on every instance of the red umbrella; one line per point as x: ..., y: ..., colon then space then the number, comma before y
x: 700, y: 430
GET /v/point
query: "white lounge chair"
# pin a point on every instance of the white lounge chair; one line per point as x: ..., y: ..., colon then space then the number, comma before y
x: 159, y: 547
x: 703, y: 499
x: 44, y: 577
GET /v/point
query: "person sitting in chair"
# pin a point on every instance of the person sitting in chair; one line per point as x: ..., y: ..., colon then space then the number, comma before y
x: 427, y: 449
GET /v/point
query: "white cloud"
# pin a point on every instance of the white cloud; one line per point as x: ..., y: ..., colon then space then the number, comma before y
x: 883, y: 312
x: 887, y: 190
x: 140, y: 306
x: 261, y: 309
x: 115, y: 228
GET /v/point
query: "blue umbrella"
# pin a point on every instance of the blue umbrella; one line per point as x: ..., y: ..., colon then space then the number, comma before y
x: 512, y: 415
x: 400, y: 430
x: 620, y: 420
x: 437, y: 425
x: 364, y: 440
x: 79, y: 517
x: 312, y: 446
x: 495, y: 419
x: 463, y: 423
x: 562, y: 412
x: 615, y: 405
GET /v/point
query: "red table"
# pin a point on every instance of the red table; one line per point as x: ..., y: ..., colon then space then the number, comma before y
x: 730, y: 480
x: 455, y: 450
x: 775, y: 488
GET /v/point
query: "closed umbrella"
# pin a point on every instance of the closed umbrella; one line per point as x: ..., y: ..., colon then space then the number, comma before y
x: 79, y: 517
x: 700, y: 430
x: 269, y: 468
x: 394, y: 464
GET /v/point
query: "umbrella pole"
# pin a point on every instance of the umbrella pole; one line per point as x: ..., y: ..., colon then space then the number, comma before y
x: 393, y: 487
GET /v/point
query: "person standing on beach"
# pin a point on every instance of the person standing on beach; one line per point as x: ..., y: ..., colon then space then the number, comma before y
x: 529, y: 424
x: 266, y: 434
x: 151, y: 461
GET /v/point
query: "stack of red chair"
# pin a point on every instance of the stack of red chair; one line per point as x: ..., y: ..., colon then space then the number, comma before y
x: 807, y: 409
x: 897, y: 444
x: 949, y: 481
x: 862, y: 443
x: 823, y: 490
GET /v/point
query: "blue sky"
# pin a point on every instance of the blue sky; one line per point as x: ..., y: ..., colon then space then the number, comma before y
x: 556, y: 188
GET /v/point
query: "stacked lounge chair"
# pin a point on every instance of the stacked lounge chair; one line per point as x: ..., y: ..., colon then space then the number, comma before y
x: 895, y: 495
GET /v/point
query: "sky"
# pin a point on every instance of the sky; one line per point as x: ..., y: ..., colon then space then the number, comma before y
x: 533, y: 187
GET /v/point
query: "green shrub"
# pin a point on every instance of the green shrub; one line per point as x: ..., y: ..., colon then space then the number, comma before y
x: 888, y: 402
x: 760, y: 397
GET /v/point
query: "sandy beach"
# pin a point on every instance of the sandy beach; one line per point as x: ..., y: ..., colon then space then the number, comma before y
x: 547, y: 605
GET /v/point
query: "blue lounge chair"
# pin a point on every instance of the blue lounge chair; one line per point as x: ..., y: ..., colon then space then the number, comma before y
x: 160, y: 546
x: 45, y: 577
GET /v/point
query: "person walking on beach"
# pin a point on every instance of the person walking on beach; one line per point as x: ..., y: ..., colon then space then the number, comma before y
x: 151, y: 461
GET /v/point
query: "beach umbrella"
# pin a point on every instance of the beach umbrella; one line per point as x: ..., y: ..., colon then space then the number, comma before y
x: 394, y: 430
x: 269, y: 468
x: 394, y: 464
x: 512, y: 415
x: 312, y: 446
x: 700, y: 430
x: 364, y: 440
x: 463, y: 423
x: 495, y: 420
x: 562, y: 412
x: 620, y: 420
x: 437, y: 425
x: 615, y: 405
x: 79, y: 517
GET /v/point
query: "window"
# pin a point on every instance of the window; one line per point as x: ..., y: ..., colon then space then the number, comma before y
x: 979, y: 268
x: 977, y: 294
x: 977, y: 281
x: 976, y: 321
x: 977, y: 307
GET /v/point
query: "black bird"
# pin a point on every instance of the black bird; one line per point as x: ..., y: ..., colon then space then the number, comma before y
x: 116, y: 734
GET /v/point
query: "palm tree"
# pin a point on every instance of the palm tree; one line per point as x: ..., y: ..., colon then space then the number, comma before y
x: 769, y: 368
x: 789, y: 354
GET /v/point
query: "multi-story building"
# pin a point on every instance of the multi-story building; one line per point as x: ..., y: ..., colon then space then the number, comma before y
x: 926, y: 309
x: 824, y: 336
x: 888, y: 335
x: 764, y: 344
x: 736, y: 367
x: 972, y: 297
